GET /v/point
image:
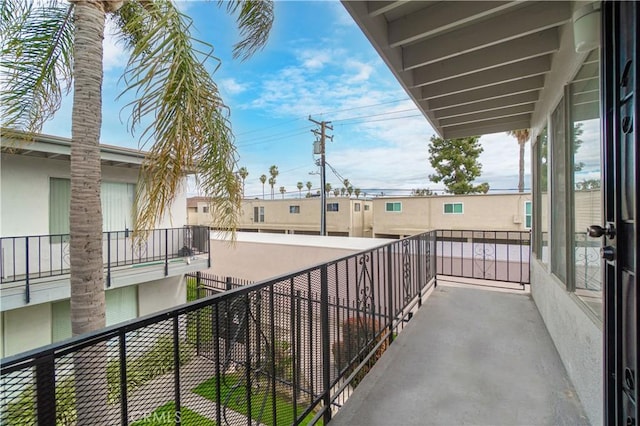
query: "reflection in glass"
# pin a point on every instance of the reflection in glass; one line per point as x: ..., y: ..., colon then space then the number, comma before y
x: 586, y: 178
x: 559, y: 193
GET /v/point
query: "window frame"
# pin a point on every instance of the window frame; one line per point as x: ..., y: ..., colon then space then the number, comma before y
x: 258, y: 214
x: 528, y: 215
x: 294, y: 209
x: 357, y: 207
x: 336, y: 205
x: 453, y: 204
x: 393, y: 204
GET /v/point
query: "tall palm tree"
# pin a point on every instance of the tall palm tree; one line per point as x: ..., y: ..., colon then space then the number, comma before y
x: 263, y: 179
x: 342, y: 191
x: 273, y: 171
x: 52, y: 47
x: 272, y: 182
x: 309, y: 186
x: 327, y: 188
x: 522, y: 136
x: 357, y: 191
x: 300, y: 185
x: 282, y: 191
x: 350, y: 190
x: 336, y: 192
x: 243, y: 173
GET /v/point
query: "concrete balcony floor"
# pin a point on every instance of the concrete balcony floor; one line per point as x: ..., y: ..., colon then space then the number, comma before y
x: 470, y: 356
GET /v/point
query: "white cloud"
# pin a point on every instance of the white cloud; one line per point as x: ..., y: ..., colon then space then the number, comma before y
x: 114, y: 54
x: 231, y: 86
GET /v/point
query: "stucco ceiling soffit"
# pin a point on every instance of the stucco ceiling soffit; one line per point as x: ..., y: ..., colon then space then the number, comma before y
x: 487, y: 127
x: 521, y: 49
x: 497, y: 29
x: 488, y: 105
x: 500, y: 75
x: 439, y: 18
x: 487, y: 115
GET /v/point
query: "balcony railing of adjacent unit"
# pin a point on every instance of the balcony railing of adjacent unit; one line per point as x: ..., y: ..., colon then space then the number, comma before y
x: 27, y: 258
x: 289, y: 350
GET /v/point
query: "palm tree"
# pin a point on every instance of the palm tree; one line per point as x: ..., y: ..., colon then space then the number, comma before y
x: 357, y: 192
x: 50, y: 48
x: 272, y: 182
x: 327, y: 188
x: 522, y: 137
x: 345, y: 183
x: 243, y: 173
x: 300, y: 185
x: 273, y: 171
x: 309, y: 186
x: 342, y: 191
x: 282, y: 191
x: 336, y: 192
x: 350, y: 190
x: 263, y: 179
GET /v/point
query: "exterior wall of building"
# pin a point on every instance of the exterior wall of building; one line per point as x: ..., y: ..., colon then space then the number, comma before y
x: 258, y: 257
x: 25, y: 328
x: 162, y: 294
x: 499, y: 212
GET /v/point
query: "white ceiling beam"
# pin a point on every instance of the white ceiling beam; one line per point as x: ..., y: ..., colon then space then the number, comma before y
x: 377, y: 8
x: 531, y: 46
x: 506, y: 89
x: 488, y: 127
x: 488, y: 115
x: 440, y: 17
x: 488, y: 105
x: 500, y: 75
x: 501, y: 28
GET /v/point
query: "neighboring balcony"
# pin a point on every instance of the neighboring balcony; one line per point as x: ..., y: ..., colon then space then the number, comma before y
x: 365, y: 338
x: 35, y: 269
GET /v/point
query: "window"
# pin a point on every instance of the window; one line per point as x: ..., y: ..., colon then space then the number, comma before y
x: 453, y: 208
x: 356, y: 207
x: 205, y: 209
x: 541, y: 198
x: 294, y: 209
x: 559, y: 193
x: 393, y: 207
x: 527, y: 214
x: 258, y: 214
x: 333, y: 207
x: 117, y: 205
x: 367, y: 207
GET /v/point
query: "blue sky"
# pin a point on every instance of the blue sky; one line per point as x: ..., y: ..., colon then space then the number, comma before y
x: 317, y: 63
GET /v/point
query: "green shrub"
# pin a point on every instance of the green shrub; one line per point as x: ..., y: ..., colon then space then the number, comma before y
x: 358, y: 340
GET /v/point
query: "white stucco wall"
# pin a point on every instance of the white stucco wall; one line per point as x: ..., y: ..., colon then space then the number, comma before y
x: 158, y: 295
x: 26, y: 328
x: 577, y: 335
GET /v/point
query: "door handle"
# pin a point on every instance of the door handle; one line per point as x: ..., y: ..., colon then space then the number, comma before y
x: 597, y: 231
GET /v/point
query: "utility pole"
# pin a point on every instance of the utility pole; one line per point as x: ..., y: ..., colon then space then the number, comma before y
x: 324, y: 125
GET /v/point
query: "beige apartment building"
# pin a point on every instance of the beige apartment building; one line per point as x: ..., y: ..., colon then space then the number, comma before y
x: 346, y: 217
x: 397, y: 217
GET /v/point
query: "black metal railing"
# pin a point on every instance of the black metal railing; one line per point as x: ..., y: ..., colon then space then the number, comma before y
x: 28, y: 258
x: 289, y: 350
x: 485, y: 255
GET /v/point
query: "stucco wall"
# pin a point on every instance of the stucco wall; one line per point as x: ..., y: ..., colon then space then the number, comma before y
x: 259, y: 261
x: 154, y: 296
x: 26, y: 328
x: 577, y: 335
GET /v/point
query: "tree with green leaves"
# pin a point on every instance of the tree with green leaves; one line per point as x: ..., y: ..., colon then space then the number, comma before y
x: 522, y: 136
x: 327, y: 188
x: 357, y: 192
x: 299, y: 185
x: 282, y: 191
x: 456, y: 164
x: 350, y: 191
x: 263, y: 180
x: 243, y: 173
x: 273, y: 171
x: 343, y: 191
x: 51, y: 49
x: 421, y: 192
x: 309, y: 186
x: 336, y: 192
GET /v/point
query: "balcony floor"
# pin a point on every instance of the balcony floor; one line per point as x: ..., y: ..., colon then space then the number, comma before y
x: 469, y: 357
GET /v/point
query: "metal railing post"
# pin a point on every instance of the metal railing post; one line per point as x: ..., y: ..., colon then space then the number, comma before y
x: 198, y: 331
x: 46, y: 390
x: 108, y: 259
x: 176, y: 367
x: 166, y: 252
x: 435, y: 258
x: 420, y: 271
x: 26, y: 283
x: 326, y: 344
x: 124, y: 410
x: 390, y: 294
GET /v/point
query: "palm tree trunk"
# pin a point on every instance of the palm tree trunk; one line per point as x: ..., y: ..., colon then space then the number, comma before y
x: 87, y: 287
x: 521, y: 168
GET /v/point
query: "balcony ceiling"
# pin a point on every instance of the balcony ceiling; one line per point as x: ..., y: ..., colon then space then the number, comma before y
x: 472, y: 67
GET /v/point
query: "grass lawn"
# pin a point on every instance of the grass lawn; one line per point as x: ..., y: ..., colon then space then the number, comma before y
x: 167, y: 415
x: 235, y: 399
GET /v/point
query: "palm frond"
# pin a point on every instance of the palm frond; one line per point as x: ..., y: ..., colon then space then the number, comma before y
x: 255, y: 18
x: 37, y: 61
x: 190, y: 129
